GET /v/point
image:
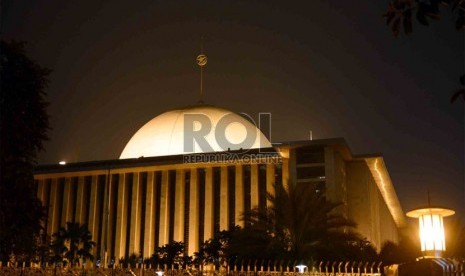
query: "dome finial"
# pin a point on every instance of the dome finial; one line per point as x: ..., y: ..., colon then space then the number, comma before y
x: 201, y: 61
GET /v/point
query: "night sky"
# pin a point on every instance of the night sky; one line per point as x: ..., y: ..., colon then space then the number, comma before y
x: 327, y: 66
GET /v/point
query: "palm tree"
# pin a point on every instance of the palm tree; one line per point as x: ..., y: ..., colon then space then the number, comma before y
x: 58, y: 246
x: 72, y: 235
x: 302, y: 223
x: 86, y: 242
x: 171, y: 254
x: 73, y: 242
x: 217, y: 250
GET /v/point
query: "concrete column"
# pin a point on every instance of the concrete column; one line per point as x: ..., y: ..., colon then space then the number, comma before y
x: 67, y: 211
x: 270, y: 181
x: 150, y: 209
x: 179, y: 201
x: 194, y: 213
x: 136, y: 209
x: 163, y: 237
x: 224, y: 199
x: 254, y: 186
x: 239, y: 196
x: 108, y: 217
x: 41, y: 191
x: 209, y: 205
x: 94, y: 215
x: 53, y: 220
x: 81, y: 201
x: 285, y: 172
x: 121, y: 218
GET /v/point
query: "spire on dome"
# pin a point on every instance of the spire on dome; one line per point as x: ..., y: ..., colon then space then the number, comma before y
x: 201, y: 61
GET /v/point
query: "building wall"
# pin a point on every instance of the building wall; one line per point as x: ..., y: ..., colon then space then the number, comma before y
x: 135, y: 210
x: 350, y: 183
x: 335, y: 170
x: 367, y: 207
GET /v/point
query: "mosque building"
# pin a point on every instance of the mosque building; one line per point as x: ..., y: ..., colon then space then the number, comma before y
x: 165, y: 189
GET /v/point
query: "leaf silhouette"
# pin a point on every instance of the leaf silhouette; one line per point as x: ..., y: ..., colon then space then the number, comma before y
x: 458, y: 93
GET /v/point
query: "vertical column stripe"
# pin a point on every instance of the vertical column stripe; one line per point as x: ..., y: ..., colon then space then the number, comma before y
x: 136, y: 207
x: 179, y: 206
x: 194, y: 213
x: 224, y: 196
x: 149, y: 233
x: 53, y: 208
x: 164, y: 210
x: 121, y: 216
x: 209, y: 204
x: 270, y: 182
x: 80, y: 201
x: 239, y: 196
x: 254, y: 186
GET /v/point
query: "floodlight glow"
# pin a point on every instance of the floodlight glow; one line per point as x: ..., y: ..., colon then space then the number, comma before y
x: 159, y: 273
x: 62, y: 162
x: 301, y: 268
x: 432, y: 237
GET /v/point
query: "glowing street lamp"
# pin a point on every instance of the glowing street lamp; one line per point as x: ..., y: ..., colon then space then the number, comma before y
x: 432, y: 236
x: 301, y: 268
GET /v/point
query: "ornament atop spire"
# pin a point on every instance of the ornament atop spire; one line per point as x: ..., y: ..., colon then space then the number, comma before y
x: 201, y: 61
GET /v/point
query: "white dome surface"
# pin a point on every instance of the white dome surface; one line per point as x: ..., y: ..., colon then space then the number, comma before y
x: 165, y: 134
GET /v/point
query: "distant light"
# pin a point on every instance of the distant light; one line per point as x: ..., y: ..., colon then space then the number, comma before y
x: 159, y: 273
x: 62, y: 162
x: 301, y: 268
x: 432, y: 236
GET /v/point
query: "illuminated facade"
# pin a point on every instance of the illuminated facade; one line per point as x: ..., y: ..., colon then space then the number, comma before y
x: 134, y: 204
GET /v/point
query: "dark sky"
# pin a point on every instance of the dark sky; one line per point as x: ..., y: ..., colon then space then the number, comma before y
x: 327, y: 66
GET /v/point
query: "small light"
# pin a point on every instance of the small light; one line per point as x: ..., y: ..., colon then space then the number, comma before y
x: 159, y: 273
x: 62, y: 163
x: 301, y: 268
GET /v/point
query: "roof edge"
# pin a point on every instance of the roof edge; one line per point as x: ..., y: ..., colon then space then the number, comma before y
x: 381, y: 176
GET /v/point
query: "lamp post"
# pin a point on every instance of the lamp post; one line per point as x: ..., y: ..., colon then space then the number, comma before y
x: 432, y: 238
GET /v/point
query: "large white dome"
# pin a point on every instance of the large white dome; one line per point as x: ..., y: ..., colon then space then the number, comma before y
x: 178, y: 132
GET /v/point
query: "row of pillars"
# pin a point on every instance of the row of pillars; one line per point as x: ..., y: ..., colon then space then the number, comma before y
x: 95, y: 214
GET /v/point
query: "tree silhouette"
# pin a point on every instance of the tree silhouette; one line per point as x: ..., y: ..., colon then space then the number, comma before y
x: 171, y: 254
x: 303, y: 224
x: 58, y: 246
x: 217, y: 251
x: 73, y: 243
x: 23, y: 128
x: 399, y: 15
x: 404, y: 251
x: 43, y: 249
x: 130, y: 261
x: 460, y: 91
x: 86, y: 244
